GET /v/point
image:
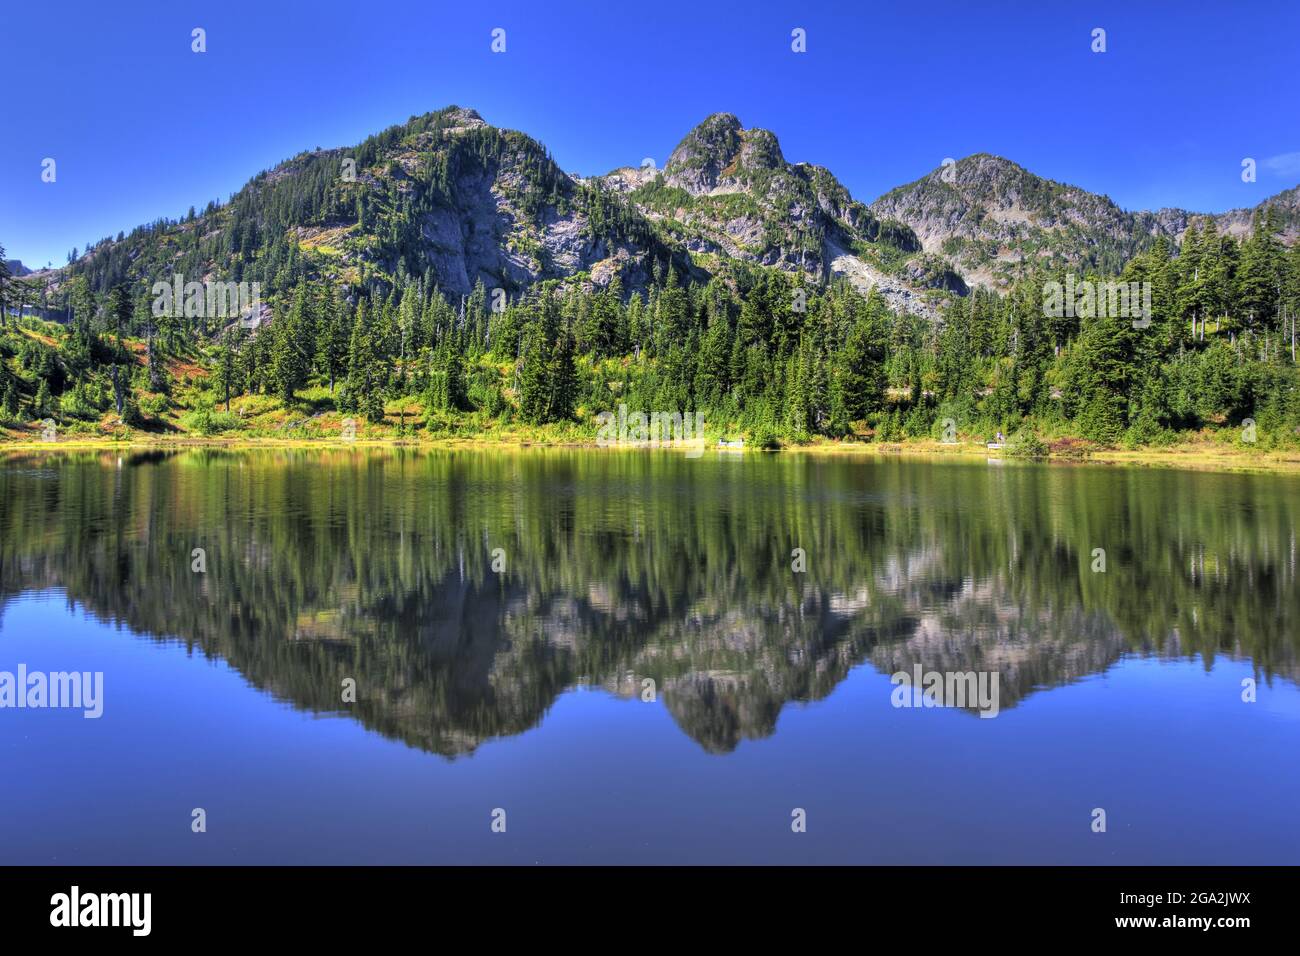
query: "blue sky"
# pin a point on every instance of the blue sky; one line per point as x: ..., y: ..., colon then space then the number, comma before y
x: 141, y: 127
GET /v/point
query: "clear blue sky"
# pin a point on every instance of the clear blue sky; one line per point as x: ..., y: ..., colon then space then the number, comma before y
x: 141, y: 127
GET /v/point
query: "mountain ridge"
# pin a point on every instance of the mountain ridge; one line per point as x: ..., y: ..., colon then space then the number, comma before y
x: 448, y: 195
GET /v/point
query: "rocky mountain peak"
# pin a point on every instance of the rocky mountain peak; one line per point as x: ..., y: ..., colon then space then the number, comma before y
x: 995, y: 221
x: 703, y: 156
x: 458, y: 117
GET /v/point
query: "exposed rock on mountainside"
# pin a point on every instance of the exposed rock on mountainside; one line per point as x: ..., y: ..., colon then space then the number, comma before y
x: 443, y: 194
x: 1285, y: 207
x: 994, y: 220
x: 730, y: 194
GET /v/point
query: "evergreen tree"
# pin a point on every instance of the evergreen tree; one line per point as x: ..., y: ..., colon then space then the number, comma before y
x: 332, y: 345
x: 563, y: 374
x: 534, y: 379
x: 861, y: 369
x: 713, y: 372
x: 366, y: 376
x: 225, y: 372
x: 1259, y: 281
x: 289, y: 358
x: 1098, y: 377
x: 446, y: 392
x: 6, y: 287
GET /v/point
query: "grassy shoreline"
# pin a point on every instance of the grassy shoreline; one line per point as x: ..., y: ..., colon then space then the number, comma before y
x: 1202, y: 455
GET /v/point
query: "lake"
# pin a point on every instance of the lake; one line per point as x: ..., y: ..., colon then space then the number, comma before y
x: 353, y: 655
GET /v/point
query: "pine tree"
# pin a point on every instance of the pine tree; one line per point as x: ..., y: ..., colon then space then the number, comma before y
x: 333, y: 342
x: 366, y: 375
x: 534, y: 379
x: 796, y: 403
x: 6, y: 284
x: 713, y: 374
x: 226, y: 368
x: 1099, y: 375
x: 119, y: 315
x: 9, y: 397
x: 1259, y: 281
x: 861, y: 370
x: 1033, y: 348
x: 289, y: 357
x: 446, y: 392
x: 563, y: 379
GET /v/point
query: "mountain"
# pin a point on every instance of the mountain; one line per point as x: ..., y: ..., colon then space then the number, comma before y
x: 994, y: 220
x: 1285, y: 207
x: 450, y: 197
x: 444, y: 194
x: 16, y: 268
x: 729, y: 194
x: 736, y: 195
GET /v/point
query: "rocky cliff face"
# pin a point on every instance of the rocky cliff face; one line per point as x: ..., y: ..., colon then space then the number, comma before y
x: 487, y: 224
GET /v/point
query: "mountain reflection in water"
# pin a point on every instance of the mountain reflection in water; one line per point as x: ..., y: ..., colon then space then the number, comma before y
x: 627, y: 567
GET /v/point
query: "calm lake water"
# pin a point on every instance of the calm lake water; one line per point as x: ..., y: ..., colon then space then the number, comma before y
x: 643, y: 677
